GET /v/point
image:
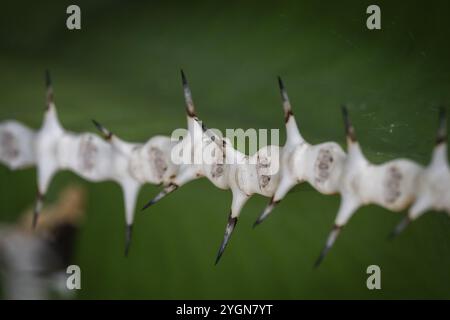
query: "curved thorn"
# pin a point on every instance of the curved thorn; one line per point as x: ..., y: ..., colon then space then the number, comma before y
x: 228, y: 232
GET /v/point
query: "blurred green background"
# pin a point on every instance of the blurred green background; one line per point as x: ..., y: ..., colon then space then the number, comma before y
x: 122, y: 69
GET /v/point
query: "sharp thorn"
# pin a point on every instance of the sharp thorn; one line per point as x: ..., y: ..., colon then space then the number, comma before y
x: 190, y: 110
x: 322, y: 255
x: 329, y: 244
x: 285, y: 99
x: 183, y: 78
x: 107, y: 135
x: 281, y: 84
x: 283, y: 91
x: 399, y: 228
x: 97, y: 125
x: 349, y: 131
x: 128, y: 236
x: 166, y: 191
x: 227, y: 236
x: 265, y: 214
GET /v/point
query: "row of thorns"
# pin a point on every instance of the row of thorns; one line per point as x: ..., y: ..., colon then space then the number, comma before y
x: 396, y: 185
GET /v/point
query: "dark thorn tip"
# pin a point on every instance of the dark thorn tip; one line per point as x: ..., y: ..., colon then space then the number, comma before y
x: 399, y: 228
x: 329, y: 244
x: 284, y: 95
x: 183, y: 78
x: 149, y: 204
x: 281, y: 84
x: 107, y: 135
x: 128, y: 236
x: 321, y: 257
x: 97, y: 125
x: 227, y: 236
x: 349, y: 131
x: 442, y: 129
x: 259, y: 220
x: 160, y: 196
